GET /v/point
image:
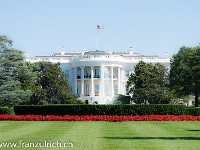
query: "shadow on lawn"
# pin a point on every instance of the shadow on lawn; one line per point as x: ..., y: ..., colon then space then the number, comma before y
x: 154, y: 138
x: 194, y: 130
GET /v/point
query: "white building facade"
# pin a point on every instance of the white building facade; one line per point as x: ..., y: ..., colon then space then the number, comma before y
x: 99, y: 76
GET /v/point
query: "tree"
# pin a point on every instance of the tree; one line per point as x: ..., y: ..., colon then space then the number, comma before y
x: 185, y: 72
x: 13, y: 73
x: 158, y: 85
x: 39, y: 93
x: 148, y: 84
x: 51, y: 84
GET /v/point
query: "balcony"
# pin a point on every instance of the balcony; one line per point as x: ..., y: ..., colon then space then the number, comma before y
x: 87, y: 76
x: 96, y: 76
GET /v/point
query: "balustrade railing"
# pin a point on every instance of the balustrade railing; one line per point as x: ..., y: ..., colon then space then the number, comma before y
x: 99, y: 57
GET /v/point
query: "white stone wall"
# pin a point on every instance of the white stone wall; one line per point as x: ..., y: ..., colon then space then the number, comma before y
x: 116, y: 62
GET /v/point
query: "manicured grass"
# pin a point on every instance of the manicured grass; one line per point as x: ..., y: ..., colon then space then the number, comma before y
x: 155, y: 135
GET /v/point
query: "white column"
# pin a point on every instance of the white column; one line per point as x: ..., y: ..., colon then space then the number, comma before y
x: 82, y: 81
x: 112, y: 91
x: 102, y: 81
x: 119, y: 80
x: 92, y: 82
x: 75, y: 80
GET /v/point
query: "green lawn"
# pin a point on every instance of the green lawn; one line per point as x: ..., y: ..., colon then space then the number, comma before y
x: 105, y: 135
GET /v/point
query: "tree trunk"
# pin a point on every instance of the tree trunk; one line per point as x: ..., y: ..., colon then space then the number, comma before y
x: 196, y: 99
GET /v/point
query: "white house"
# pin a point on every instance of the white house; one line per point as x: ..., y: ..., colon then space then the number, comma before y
x: 99, y: 75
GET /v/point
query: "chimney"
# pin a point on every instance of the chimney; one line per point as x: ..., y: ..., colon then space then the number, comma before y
x: 110, y: 51
x: 62, y: 51
x: 83, y: 51
x: 131, y: 50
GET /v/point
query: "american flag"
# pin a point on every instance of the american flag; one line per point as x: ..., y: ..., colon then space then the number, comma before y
x: 100, y: 27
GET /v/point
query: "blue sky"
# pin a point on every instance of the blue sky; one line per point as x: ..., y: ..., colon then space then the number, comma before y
x: 42, y: 27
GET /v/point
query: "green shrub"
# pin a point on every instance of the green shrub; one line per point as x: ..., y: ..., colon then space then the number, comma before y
x: 188, y: 111
x: 117, y: 102
x: 195, y: 111
x: 122, y: 99
x: 75, y: 109
x: 5, y: 110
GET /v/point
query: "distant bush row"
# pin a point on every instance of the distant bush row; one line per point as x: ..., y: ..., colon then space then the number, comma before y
x: 195, y: 111
x: 101, y: 110
x: 76, y: 109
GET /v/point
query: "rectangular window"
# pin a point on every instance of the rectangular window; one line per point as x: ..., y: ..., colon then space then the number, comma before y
x: 96, y: 75
x: 78, y: 74
x: 127, y: 73
x: 87, y: 89
x: 115, y: 73
x: 115, y: 89
x: 67, y: 74
x: 96, y: 89
x: 78, y: 89
x: 86, y: 73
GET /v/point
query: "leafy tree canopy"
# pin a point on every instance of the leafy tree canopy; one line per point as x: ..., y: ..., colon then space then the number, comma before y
x: 148, y: 84
x: 51, y: 84
x: 13, y: 74
x: 185, y: 72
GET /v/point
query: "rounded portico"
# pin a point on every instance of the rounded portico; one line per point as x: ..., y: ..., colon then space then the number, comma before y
x: 97, y: 82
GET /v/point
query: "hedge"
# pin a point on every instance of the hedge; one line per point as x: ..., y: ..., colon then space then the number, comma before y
x: 123, y: 109
x: 5, y: 110
x: 195, y: 111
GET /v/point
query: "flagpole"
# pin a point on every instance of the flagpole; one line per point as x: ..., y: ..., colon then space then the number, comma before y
x: 97, y: 40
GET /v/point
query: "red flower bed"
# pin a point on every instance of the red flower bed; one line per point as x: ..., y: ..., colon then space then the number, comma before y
x: 100, y: 118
